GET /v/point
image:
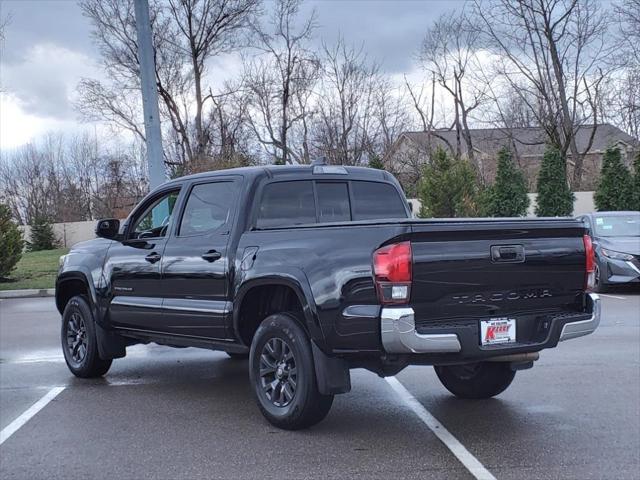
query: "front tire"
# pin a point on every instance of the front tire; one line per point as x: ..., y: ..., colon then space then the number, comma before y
x: 477, y: 380
x: 599, y: 286
x: 79, y: 343
x: 283, y: 376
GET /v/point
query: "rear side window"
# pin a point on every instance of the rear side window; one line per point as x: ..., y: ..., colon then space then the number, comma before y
x: 372, y: 200
x: 208, y: 208
x: 286, y: 203
x: 333, y: 202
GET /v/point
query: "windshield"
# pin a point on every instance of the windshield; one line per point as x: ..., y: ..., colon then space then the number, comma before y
x: 618, y: 225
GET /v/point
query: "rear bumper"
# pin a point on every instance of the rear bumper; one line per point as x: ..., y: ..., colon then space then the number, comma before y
x: 584, y: 327
x: 399, y: 334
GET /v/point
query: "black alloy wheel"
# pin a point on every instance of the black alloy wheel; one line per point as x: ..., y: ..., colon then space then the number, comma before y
x: 278, y: 372
x: 76, y: 339
x: 282, y: 373
x: 79, y: 340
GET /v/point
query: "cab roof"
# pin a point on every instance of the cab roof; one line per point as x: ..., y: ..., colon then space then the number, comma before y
x: 271, y: 171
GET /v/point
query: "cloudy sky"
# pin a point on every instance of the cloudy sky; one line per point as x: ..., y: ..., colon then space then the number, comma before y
x: 47, y: 49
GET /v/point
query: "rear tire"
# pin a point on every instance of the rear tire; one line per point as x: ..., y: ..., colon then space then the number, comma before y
x: 79, y: 342
x: 477, y: 380
x: 283, y: 375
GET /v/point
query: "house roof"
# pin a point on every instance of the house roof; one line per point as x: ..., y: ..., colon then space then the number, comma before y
x: 527, y: 141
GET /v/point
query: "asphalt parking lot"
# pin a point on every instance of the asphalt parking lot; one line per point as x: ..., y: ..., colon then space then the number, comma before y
x: 188, y: 413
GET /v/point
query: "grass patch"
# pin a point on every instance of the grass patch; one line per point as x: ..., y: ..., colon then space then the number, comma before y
x: 34, y: 270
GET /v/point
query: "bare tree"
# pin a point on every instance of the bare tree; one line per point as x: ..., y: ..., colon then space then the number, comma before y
x: 391, y: 115
x: 552, y: 52
x: 622, y: 104
x: 186, y: 35
x: 346, y: 129
x: 448, y: 52
x: 627, y: 17
x: 279, y: 82
x: 4, y: 22
x: 71, y: 179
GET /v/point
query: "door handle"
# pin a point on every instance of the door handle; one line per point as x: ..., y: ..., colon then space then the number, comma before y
x: 152, y: 257
x: 211, y: 256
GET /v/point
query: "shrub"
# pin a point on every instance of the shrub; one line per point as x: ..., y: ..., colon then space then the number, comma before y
x: 636, y: 183
x: 42, y: 236
x: 448, y: 187
x: 555, y: 199
x: 11, y: 242
x: 508, y: 195
x: 614, y: 191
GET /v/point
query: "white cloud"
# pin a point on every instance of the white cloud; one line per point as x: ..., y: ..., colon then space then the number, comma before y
x: 18, y: 126
x: 39, y: 92
x: 45, y: 80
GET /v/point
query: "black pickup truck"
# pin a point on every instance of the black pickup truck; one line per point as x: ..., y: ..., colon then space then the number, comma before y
x: 311, y: 271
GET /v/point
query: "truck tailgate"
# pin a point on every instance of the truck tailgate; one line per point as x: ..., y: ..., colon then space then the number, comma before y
x: 478, y: 269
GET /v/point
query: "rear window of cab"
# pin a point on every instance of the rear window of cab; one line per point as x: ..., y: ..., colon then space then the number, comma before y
x: 301, y: 202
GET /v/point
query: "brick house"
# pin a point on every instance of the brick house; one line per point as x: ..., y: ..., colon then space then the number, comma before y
x: 411, y: 151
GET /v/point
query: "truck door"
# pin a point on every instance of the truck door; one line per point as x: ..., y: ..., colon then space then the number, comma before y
x: 133, y: 265
x: 196, y: 262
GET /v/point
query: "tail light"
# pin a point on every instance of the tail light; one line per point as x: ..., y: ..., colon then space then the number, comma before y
x: 392, y: 272
x: 590, y: 263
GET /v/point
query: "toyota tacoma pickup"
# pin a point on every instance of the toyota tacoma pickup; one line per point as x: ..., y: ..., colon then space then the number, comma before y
x: 312, y: 271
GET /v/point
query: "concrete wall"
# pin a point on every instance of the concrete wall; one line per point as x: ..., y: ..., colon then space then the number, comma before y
x: 69, y: 233
x: 582, y: 204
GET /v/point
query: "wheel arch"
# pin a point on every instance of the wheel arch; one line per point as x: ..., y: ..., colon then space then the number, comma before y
x: 288, y: 289
x: 74, y: 283
x: 77, y: 282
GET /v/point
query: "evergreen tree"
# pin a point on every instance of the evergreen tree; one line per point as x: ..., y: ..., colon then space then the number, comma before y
x: 448, y: 187
x: 615, y: 189
x: 483, y: 200
x: 42, y: 236
x: 508, y: 196
x: 376, y: 162
x: 11, y: 243
x: 555, y: 199
x: 636, y: 183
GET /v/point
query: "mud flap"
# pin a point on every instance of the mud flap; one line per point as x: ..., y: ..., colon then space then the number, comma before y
x: 332, y: 374
x: 110, y: 344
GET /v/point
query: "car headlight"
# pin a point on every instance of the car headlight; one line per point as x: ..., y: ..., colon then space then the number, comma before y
x: 61, y: 260
x: 616, y: 255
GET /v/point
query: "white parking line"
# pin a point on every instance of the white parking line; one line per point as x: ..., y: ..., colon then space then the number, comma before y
x: 612, y: 296
x: 29, y: 413
x: 24, y: 360
x: 470, y: 462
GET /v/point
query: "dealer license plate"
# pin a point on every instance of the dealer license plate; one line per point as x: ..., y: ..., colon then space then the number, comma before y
x: 497, y: 330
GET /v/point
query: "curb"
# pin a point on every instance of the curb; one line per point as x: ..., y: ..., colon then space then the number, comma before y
x: 28, y: 293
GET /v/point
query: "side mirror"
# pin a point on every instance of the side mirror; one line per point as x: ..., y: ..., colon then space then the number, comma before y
x: 108, y: 228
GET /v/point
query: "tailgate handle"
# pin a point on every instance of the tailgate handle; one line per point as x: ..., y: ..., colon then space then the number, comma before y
x: 507, y: 253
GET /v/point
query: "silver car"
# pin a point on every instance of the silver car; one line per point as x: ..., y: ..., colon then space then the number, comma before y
x: 616, y: 241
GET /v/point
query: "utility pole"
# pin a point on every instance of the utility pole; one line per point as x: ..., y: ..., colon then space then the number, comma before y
x: 152, y: 132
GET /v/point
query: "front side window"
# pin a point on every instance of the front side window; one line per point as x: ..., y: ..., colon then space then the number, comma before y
x: 374, y: 200
x: 286, y: 203
x: 208, y: 208
x: 154, y: 221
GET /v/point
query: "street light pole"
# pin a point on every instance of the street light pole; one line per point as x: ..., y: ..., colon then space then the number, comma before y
x: 153, y: 134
